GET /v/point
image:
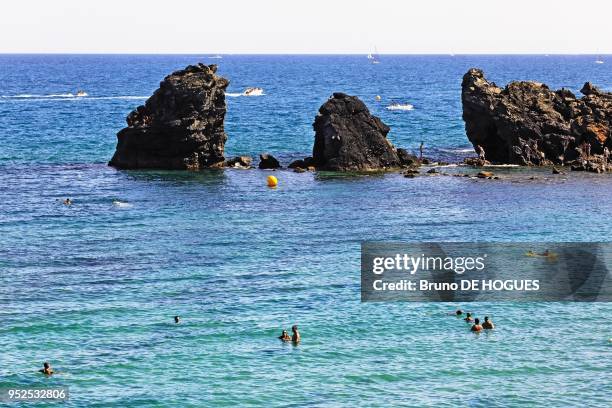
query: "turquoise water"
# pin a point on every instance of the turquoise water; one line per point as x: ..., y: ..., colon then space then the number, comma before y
x: 92, y: 288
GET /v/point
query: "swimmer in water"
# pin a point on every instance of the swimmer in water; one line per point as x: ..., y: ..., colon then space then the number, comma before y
x: 476, y: 327
x: 67, y: 201
x: 285, y: 336
x: 177, y: 319
x: 458, y: 313
x: 488, y: 324
x: 296, y: 335
x: 47, y: 370
x: 468, y: 317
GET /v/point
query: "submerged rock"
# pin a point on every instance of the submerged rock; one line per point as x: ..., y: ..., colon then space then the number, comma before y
x: 349, y: 138
x: 267, y: 161
x: 180, y: 126
x: 243, y: 162
x: 527, y: 123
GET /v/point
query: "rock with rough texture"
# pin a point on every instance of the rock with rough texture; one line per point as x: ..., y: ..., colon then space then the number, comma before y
x: 301, y: 163
x: 349, y: 138
x: 267, y: 161
x: 406, y: 158
x: 240, y: 162
x: 180, y: 126
x: 527, y: 123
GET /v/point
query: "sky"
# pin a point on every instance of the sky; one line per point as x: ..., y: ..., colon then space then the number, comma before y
x: 307, y: 26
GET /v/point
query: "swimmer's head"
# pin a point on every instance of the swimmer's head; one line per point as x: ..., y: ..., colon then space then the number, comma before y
x: 46, y: 365
x: 294, y: 328
x: 177, y: 319
x: 486, y: 318
x: 284, y: 333
x: 476, y: 321
x: 458, y: 312
x: 469, y: 314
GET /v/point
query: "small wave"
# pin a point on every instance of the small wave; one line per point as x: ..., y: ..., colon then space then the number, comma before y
x: 236, y: 95
x: 466, y: 150
x: 401, y: 107
x: 28, y: 96
x: 122, y: 204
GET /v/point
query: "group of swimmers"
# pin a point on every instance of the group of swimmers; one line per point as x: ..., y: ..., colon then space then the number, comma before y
x: 476, y: 326
x: 295, y: 338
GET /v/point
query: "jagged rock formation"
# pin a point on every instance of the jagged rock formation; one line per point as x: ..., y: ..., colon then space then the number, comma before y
x: 349, y: 138
x: 527, y: 123
x: 180, y: 126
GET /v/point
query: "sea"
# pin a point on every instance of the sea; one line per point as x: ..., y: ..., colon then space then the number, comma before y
x: 93, y: 287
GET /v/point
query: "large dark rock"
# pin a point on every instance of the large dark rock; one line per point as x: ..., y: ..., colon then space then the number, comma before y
x: 349, y: 138
x: 267, y: 161
x: 527, y: 123
x: 180, y: 126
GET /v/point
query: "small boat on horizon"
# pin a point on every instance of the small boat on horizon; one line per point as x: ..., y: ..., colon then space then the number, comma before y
x: 215, y: 56
x: 81, y: 93
x: 373, y: 57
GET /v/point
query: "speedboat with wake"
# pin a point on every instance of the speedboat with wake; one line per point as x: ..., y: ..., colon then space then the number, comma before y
x: 253, y: 92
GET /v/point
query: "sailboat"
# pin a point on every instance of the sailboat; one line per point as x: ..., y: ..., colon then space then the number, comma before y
x: 374, y: 57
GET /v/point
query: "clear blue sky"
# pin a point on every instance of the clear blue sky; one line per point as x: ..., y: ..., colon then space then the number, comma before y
x: 307, y: 26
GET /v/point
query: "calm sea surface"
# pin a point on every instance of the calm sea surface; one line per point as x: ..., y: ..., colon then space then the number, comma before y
x: 93, y: 287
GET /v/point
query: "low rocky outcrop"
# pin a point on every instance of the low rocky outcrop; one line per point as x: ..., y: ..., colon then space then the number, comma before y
x: 240, y: 162
x: 301, y: 163
x: 180, y: 126
x: 527, y: 123
x: 349, y: 138
x: 267, y: 161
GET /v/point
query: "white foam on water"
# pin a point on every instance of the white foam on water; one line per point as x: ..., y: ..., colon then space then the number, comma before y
x: 467, y: 150
x: 403, y: 107
x: 236, y: 94
x: 122, y: 204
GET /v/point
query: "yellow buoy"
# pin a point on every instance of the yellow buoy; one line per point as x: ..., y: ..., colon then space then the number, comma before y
x: 378, y: 98
x: 272, y: 181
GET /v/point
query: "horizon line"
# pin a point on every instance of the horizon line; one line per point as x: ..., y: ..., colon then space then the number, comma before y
x: 304, y: 53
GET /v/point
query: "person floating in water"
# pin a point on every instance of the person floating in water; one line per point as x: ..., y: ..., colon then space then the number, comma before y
x: 488, y: 324
x: 459, y: 312
x: 476, y: 327
x: 296, y: 335
x: 285, y: 336
x: 468, y: 317
x: 67, y: 201
x: 47, y: 370
x: 421, y: 148
x: 177, y: 319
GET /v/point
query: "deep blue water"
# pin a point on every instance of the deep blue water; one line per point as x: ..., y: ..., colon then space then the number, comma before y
x: 92, y: 288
